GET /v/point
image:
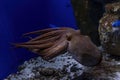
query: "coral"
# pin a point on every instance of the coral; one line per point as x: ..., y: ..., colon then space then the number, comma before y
x: 109, y: 29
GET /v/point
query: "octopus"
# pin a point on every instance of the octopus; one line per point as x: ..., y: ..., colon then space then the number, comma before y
x: 52, y: 42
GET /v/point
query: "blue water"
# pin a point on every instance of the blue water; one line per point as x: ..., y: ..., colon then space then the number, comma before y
x: 21, y: 16
x: 116, y: 23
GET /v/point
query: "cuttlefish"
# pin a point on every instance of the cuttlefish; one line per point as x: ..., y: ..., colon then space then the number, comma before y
x: 52, y: 42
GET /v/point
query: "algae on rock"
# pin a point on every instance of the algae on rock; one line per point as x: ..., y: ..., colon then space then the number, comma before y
x: 88, y: 14
x: 109, y: 35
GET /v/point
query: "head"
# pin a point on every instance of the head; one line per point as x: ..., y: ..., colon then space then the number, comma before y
x: 83, y: 50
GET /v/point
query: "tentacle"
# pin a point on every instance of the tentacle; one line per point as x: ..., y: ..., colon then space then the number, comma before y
x: 49, y: 34
x: 50, y: 43
x: 40, y: 31
x: 45, y: 31
x: 58, y: 47
x: 37, y: 46
x: 42, y: 41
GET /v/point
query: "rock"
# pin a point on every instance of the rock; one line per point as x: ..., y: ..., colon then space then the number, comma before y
x: 109, y: 33
x: 74, y: 68
x: 39, y: 69
x: 47, y: 71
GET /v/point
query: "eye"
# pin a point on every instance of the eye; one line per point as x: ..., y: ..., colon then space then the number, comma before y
x: 69, y: 37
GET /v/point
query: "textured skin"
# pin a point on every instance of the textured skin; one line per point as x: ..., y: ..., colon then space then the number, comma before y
x: 53, y: 42
x: 109, y: 35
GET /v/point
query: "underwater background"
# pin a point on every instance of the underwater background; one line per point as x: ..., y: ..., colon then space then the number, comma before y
x: 21, y: 16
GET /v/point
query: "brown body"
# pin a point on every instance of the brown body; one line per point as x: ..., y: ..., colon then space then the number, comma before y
x: 53, y: 42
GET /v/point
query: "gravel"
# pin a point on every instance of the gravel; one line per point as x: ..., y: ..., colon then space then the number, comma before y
x: 64, y: 67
